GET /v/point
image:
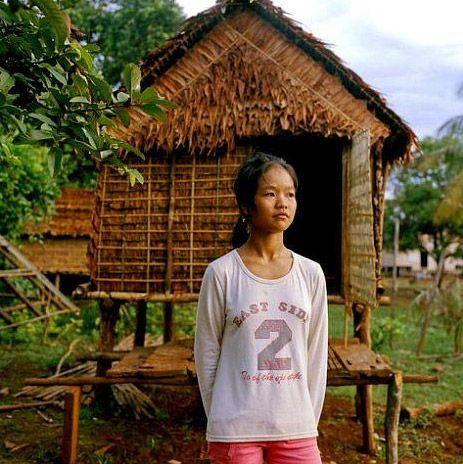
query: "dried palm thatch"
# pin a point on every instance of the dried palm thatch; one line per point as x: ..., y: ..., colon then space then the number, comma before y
x: 127, y: 396
x: 240, y: 70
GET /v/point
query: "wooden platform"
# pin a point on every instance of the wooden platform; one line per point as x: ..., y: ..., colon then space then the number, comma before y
x: 349, y: 364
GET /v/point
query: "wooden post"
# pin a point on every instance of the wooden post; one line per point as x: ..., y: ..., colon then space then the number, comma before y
x: 71, y: 425
x: 364, y: 396
x: 391, y: 432
x: 168, y: 321
x: 109, y: 314
x: 140, y: 330
x: 395, y: 285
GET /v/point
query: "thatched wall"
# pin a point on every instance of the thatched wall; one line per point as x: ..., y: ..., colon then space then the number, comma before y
x: 158, y: 237
x: 71, y: 217
x: 58, y: 255
x: 64, y: 236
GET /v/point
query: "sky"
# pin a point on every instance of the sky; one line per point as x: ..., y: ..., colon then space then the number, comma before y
x: 411, y: 51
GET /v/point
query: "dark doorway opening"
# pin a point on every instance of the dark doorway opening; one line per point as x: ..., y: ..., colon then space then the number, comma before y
x: 317, y: 229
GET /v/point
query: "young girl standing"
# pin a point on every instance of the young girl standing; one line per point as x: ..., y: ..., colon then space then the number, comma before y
x: 261, y: 343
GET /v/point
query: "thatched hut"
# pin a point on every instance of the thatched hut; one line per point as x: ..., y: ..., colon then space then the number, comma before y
x: 60, y: 251
x: 246, y: 77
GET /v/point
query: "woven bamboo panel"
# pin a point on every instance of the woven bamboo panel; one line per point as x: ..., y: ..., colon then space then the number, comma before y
x: 362, y: 248
x: 159, y: 237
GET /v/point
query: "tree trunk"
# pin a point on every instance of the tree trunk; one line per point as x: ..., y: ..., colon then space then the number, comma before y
x: 432, y: 292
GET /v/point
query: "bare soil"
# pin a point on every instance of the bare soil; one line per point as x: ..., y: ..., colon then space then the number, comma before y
x: 178, y: 432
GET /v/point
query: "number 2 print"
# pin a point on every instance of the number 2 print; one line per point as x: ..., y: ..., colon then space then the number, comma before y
x: 266, y: 359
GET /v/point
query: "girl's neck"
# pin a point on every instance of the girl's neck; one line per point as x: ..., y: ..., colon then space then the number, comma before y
x: 267, y: 247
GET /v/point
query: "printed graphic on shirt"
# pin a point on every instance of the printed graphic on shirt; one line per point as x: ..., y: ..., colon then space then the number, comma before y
x: 278, y: 368
x: 255, y: 308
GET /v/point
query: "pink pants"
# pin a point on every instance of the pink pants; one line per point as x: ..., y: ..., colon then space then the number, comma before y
x: 299, y: 451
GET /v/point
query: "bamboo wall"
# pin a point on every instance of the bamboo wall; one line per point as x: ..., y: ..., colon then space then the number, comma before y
x: 159, y: 237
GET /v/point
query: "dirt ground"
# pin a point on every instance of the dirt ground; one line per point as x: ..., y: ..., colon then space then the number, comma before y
x: 177, y: 435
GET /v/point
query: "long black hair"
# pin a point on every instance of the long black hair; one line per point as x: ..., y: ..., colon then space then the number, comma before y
x: 245, y: 187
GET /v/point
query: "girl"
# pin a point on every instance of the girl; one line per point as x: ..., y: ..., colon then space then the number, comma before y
x: 261, y: 343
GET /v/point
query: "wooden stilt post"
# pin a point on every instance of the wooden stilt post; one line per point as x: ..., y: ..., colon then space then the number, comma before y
x: 71, y: 425
x: 391, y: 432
x: 109, y: 314
x: 364, y: 396
x: 168, y: 321
x: 140, y: 330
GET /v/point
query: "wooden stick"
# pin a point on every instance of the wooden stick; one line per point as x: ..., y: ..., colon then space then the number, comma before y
x: 21, y: 295
x: 66, y: 355
x: 71, y: 425
x: 391, y: 432
x: 68, y: 311
x: 132, y: 296
x: 111, y: 355
x: 92, y: 380
x: 36, y: 404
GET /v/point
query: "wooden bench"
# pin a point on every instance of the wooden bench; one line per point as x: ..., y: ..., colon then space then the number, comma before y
x: 173, y: 364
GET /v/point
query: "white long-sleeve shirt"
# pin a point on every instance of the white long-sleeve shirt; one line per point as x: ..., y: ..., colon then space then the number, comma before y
x: 261, y: 349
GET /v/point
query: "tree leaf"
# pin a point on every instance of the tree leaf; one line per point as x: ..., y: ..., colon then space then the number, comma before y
x: 154, y: 110
x: 134, y: 176
x: 149, y: 95
x: 55, y: 156
x: 122, y: 97
x: 55, y: 72
x: 6, y: 81
x: 79, y: 99
x: 123, y: 116
x: 43, y: 118
x: 56, y: 18
x: 105, y: 121
x: 131, y: 77
x: 38, y: 135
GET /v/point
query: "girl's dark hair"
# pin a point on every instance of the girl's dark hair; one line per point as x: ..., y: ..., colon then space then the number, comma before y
x: 245, y: 187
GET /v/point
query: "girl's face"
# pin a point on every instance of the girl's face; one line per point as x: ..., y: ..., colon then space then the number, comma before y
x: 274, y: 201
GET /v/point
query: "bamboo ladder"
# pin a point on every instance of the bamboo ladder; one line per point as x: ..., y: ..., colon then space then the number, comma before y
x: 18, y: 266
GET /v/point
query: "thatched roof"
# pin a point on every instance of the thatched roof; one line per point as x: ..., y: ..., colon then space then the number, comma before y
x: 72, y: 215
x: 243, y: 69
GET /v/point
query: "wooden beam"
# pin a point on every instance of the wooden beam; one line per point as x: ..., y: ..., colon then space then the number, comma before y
x: 140, y: 330
x: 109, y: 314
x: 71, y: 425
x: 364, y: 396
x: 21, y: 295
x: 391, y: 425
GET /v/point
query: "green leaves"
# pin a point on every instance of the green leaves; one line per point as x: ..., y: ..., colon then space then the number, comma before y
x: 59, y: 21
x: 52, y: 96
x: 131, y: 77
x: 6, y: 81
x: 55, y: 156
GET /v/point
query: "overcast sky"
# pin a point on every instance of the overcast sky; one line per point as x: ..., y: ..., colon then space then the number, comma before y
x: 409, y: 50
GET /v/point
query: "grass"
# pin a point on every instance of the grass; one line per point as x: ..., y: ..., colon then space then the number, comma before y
x: 399, y: 320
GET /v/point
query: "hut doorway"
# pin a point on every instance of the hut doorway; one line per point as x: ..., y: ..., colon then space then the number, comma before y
x: 317, y: 229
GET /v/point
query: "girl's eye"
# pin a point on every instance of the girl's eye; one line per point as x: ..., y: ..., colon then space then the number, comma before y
x: 269, y: 194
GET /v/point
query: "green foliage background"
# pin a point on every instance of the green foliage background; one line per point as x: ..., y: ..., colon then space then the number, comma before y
x: 125, y: 30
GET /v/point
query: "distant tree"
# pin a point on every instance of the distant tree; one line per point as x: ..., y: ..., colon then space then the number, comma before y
x: 423, y: 192
x: 26, y: 189
x: 125, y: 30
